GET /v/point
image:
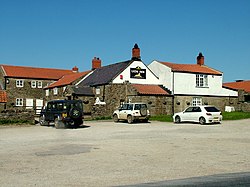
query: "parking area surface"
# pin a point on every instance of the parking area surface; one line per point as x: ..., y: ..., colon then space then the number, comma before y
x: 103, y: 153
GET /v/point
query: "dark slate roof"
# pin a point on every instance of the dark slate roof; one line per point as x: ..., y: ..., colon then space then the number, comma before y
x: 85, y: 90
x: 105, y: 74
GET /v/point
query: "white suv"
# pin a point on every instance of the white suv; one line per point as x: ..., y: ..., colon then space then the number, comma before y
x: 132, y: 112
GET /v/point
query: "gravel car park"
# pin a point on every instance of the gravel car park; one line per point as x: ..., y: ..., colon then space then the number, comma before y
x: 104, y: 153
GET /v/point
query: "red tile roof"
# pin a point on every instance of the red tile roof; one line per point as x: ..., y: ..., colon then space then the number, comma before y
x: 3, y: 96
x: 191, y: 68
x: 68, y: 79
x: 242, y: 85
x: 32, y: 72
x: 149, y: 89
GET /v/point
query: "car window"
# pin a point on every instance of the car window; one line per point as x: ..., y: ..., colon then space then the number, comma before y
x: 124, y: 107
x: 190, y: 109
x: 130, y: 107
x: 49, y: 106
x: 143, y: 106
x: 137, y: 107
x: 196, y: 109
x: 59, y: 106
x: 211, y: 109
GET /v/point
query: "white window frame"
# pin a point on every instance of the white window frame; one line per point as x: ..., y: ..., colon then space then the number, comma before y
x: 39, y: 84
x: 55, y: 91
x: 97, y: 91
x: 33, y: 84
x: 19, y: 83
x: 197, y: 101
x: 201, y: 80
x: 19, y: 101
x: 47, y: 92
x: 64, y: 88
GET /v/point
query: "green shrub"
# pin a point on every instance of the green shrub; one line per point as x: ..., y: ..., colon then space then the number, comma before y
x: 235, y: 115
x: 163, y: 118
x: 9, y: 122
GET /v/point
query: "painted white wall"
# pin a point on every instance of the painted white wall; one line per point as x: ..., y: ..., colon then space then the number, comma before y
x: 185, y: 83
x: 150, y: 77
x: 162, y: 72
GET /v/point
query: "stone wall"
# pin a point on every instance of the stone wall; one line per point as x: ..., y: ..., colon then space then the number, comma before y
x: 116, y: 94
x: 182, y: 102
x: 24, y: 92
x: 14, y: 115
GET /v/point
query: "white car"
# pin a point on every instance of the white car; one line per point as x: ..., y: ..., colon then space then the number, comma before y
x: 132, y: 112
x: 201, y: 114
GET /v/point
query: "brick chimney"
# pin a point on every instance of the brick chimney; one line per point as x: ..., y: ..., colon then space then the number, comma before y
x: 136, y: 53
x: 96, y: 63
x: 75, y: 69
x: 200, y: 59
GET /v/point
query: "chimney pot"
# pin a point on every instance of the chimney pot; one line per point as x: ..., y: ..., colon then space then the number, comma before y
x: 75, y: 69
x: 96, y: 63
x: 136, y: 53
x: 200, y: 59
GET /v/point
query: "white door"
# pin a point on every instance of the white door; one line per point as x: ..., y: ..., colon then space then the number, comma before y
x: 39, y: 105
x: 29, y: 103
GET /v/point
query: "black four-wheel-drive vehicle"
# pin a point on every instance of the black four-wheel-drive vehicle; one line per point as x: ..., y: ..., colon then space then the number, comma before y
x: 64, y: 113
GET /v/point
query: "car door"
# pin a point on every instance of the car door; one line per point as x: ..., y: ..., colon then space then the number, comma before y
x: 123, y: 111
x: 187, y: 114
x: 195, y: 114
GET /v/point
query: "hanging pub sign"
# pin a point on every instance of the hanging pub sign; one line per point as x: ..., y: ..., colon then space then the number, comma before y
x: 138, y: 73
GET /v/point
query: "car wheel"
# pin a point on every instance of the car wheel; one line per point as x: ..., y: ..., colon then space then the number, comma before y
x: 42, y: 121
x: 59, y: 124
x: 177, y: 119
x: 115, y: 118
x: 202, y: 120
x: 130, y: 119
x: 143, y: 111
x: 75, y: 113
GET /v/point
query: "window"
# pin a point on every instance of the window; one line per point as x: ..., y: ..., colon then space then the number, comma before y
x: 201, y: 80
x: 55, y: 91
x: 39, y: 84
x: 197, y: 101
x: 47, y: 92
x: 64, y: 88
x: 19, y: 101
x: 19, y: 83
x: 33, y: 84
x: 97, y: 91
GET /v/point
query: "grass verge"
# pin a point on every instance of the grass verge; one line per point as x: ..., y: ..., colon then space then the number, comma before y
x: 226, y: 116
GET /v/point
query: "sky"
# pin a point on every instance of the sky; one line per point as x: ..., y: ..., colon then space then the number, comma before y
x: 66, y: 33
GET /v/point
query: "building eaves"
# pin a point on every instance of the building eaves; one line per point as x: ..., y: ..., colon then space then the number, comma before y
x: 241, y: 85
x: 191, y: 68
x: 144, y: 89
x: 68, y: 79
x: 33, y: 72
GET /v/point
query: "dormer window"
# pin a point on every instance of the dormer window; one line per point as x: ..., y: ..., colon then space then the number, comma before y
x: 19, y: 83
x: 201, y: 80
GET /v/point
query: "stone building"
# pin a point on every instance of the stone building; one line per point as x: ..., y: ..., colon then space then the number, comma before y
x: 243, y: 88
x: 24, y: 85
